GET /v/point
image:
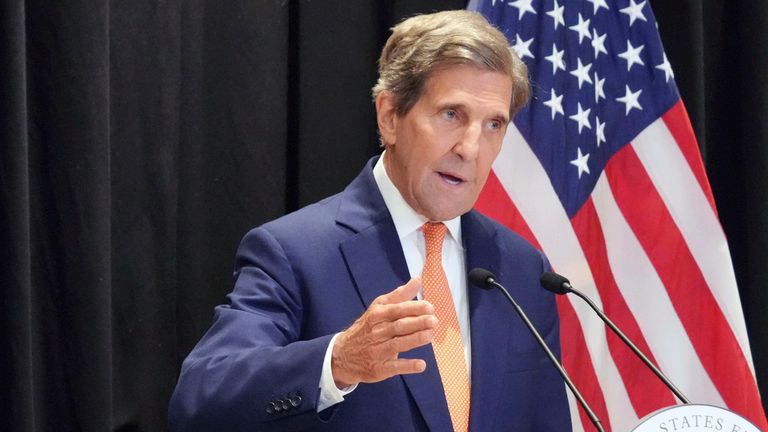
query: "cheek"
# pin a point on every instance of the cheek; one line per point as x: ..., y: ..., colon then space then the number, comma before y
x: 486, y: 158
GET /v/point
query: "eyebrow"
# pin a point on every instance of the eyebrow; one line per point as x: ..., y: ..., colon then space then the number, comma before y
x: 504, y: 118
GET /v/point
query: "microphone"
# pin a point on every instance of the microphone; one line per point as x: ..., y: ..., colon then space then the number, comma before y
x: 560, y: 285
x: 485, y: 279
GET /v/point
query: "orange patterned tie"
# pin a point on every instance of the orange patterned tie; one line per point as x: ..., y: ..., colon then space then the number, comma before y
x: 447, y: 343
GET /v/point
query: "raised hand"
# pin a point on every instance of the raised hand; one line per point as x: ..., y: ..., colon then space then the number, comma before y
x: 368, y: 350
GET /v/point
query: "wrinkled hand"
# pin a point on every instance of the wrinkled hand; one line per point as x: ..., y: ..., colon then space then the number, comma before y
x: 368, y: 350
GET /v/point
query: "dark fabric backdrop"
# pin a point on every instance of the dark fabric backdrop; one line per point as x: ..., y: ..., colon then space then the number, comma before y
x: 139, y: 140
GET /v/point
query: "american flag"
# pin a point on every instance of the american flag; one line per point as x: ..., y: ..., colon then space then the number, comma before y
x: 602, y: 172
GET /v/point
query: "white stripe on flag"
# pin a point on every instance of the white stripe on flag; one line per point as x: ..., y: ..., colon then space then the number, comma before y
x: 649, y: 302
x: 528, y: 186
x: 573, y: 407
x: 690, y: 209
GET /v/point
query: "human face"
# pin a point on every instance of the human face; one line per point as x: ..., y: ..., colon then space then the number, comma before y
x: 439, y: 154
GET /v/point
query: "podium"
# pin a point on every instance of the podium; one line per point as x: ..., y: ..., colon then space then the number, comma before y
x: 694, y: 418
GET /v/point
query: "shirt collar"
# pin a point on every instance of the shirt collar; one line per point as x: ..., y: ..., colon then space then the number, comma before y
x: 405, y: 218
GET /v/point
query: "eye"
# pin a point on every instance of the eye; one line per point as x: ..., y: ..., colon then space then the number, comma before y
x: 495, y: 125
x: 450, y: 114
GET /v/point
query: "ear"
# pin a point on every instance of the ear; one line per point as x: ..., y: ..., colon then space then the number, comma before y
x: 386, y: 117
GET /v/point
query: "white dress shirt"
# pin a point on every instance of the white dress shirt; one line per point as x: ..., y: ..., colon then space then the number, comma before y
x: 408, y: 223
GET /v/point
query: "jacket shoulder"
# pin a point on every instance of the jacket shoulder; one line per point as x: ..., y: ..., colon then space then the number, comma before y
x: 503, y: 236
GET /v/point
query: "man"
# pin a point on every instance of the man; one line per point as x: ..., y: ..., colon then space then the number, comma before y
x: 354, y: 313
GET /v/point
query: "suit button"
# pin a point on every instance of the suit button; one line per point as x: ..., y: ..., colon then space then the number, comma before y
x: 285, y: 405
x: 278, y: 406
x: 295, y: 401
x: 270, y: 408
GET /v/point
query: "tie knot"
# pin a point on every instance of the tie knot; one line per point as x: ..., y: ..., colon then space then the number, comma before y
x: 434, y: 233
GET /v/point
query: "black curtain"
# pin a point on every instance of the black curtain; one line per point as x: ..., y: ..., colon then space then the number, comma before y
x: 139, y: 140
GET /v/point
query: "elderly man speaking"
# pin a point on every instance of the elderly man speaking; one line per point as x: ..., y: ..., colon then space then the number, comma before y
x: 354, y: 313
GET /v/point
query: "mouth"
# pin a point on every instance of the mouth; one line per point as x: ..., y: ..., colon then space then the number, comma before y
x: 451, y: 179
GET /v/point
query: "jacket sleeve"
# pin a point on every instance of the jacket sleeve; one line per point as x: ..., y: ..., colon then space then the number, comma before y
x: 251, y: 370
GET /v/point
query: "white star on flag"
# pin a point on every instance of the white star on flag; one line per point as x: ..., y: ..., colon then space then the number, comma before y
x: 630, y: 99
x: 523, y: 6
x: 523, y: 48
x: 599, y: 92
x: 582, y: 28
x: 581, y: 162
x: 598, y: 43
x: 556, y: 58
x: 581, y: 117
x: 582, y: 73
x: 555, y: 103
x: 599, y: 131
x: 634, y: 11
x: 597, y: 4
x: 558, y: 14
x: 667, y: 68
x: 632, y: 55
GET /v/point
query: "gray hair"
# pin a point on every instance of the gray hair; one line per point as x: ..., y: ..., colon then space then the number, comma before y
x: 422, y: 44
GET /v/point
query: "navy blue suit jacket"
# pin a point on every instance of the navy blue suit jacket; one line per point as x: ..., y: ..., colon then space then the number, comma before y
x: 308, y: 275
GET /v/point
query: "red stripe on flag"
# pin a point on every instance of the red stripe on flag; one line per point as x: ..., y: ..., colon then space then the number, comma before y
x: 679, y: 125
x: 645, y: 391
x: 698, y: 310
x: 496, y: 204
x: 578, y: 363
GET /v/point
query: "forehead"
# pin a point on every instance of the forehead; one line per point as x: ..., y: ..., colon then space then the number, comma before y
x: 465, y: 84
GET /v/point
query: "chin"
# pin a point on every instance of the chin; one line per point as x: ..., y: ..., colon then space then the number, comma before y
x: 445, y: 214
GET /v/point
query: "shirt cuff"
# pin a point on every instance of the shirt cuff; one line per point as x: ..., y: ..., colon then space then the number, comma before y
x: 330, y: 395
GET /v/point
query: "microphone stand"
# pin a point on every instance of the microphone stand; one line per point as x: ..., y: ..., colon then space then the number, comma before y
x: 629, y: 343
x: 595, y: 421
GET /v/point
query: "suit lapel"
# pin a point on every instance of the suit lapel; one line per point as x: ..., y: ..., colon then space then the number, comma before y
x: 376, y: 263
x: 489, y: 316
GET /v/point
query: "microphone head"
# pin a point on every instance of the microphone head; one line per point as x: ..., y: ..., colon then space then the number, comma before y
x: 555, y: 283
x: 481, y: 277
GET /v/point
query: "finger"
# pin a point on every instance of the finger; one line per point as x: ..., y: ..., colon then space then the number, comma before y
x: 400, y: 366
x: 402, y: 293
x: 405, y: 343
x: 394, y: 312
x: 405, y: 326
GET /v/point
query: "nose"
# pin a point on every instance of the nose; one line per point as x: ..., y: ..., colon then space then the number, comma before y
x: 468, y: 145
